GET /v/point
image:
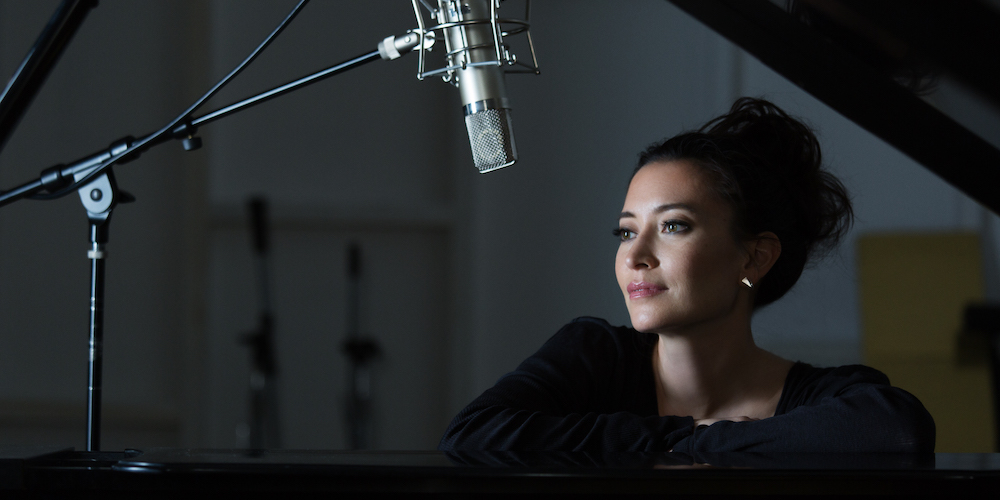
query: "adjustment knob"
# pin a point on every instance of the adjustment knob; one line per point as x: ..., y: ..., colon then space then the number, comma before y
x: 191, y: 143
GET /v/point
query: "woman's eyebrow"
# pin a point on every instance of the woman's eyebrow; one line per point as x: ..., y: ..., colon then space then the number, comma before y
x: 660, y: 209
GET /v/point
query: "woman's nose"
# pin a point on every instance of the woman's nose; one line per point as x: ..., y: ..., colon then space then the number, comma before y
x: 641, y: 254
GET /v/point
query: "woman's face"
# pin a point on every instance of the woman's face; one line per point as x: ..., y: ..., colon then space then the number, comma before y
x: 678, y: 263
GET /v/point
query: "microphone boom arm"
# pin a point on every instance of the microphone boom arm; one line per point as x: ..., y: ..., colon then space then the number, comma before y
x: 58, y: 180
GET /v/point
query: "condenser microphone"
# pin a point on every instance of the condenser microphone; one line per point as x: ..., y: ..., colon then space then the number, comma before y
x: 473, y: 48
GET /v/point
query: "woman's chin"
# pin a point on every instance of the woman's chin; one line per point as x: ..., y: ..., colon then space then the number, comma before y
x: 659, y: 323
x: 644, y: 324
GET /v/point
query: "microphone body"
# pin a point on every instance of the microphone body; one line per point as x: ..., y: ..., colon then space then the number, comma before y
x: 480, y: 80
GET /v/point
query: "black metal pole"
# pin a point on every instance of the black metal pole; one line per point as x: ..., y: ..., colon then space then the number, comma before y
x: 98, y: 237
x: 267, y: 95
x: 38, y: 63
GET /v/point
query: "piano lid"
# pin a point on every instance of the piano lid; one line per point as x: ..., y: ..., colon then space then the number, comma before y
x: 896, y: 68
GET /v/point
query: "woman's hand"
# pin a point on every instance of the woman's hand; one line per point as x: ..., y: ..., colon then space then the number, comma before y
x: 710, y: 421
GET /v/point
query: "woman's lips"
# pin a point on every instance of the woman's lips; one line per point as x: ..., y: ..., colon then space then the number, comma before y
x: 638, y: 290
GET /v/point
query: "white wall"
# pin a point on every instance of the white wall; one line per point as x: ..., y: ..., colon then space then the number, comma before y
x: 465, y: 274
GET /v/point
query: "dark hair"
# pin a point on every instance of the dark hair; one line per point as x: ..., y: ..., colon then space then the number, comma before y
x: 768, y: 166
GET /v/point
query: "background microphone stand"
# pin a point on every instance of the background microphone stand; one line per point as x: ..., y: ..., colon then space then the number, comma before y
x: 93, y: 178
x: 264, y: 423
x: 360, y: 351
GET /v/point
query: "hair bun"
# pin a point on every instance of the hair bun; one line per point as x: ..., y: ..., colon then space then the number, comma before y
x: 782, y: 142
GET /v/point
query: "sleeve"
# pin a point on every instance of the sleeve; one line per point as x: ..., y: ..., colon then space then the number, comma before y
x: 571, y: 395
x: 850, y: 409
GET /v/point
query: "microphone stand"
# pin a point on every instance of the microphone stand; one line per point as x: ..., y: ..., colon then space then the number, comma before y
x: 93, y: 179
x: 264, y: 425
x: 99, y: 199
x: 361, y: 351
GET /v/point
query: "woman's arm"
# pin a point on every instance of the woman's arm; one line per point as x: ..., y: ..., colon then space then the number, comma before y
x: 501, y: 427
x: 850, y: 409
x: 585, y: 389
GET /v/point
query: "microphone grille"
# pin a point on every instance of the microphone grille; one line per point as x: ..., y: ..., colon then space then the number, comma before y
x: 492, y: 139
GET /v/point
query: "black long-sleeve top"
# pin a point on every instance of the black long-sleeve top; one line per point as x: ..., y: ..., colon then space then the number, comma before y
x: 591, y: 388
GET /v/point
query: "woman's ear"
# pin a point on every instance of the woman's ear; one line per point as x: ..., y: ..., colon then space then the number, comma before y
x: 763, y: 251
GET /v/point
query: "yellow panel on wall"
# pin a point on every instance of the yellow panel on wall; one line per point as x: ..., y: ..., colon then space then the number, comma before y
x: 914, y: 289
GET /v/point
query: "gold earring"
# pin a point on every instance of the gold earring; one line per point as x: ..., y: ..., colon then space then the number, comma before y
x: 746, y: 281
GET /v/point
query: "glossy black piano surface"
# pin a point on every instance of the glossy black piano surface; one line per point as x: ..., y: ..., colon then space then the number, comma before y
x: 168, y: 472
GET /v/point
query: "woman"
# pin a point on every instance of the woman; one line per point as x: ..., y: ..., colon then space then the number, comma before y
x: 716, y: 223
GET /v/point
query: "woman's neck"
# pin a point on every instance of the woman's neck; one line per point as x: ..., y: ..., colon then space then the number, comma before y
x: 715, y: 373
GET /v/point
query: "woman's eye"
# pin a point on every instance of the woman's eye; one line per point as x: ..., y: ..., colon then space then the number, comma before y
x: 672, y: 226
x: 623, y: 234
